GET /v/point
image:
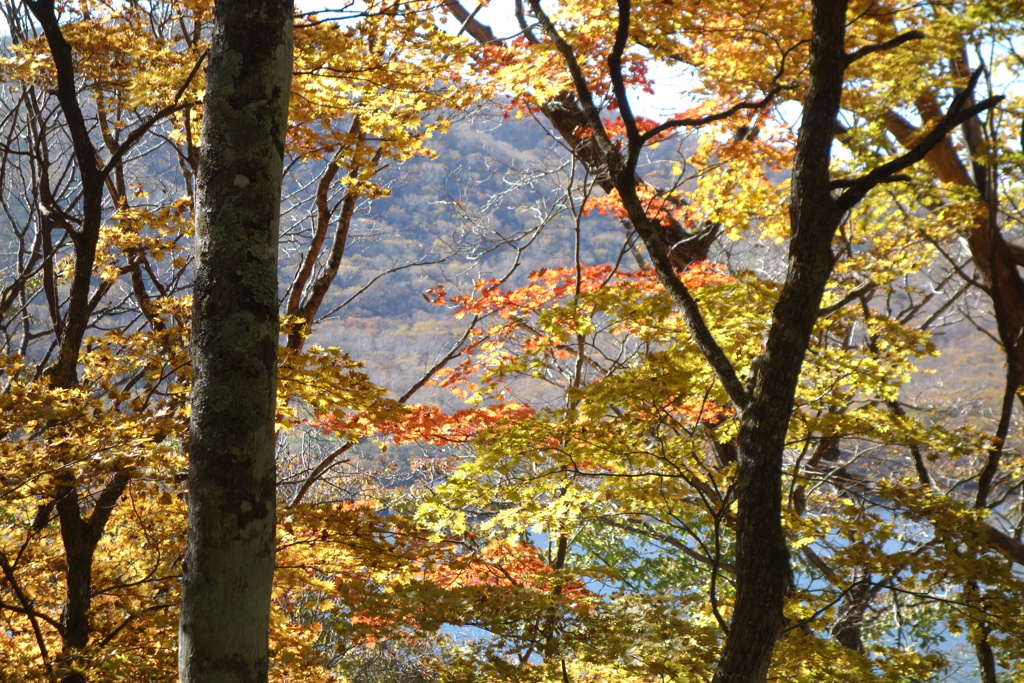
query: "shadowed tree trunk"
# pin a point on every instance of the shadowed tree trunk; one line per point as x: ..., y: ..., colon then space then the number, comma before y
x: 762, y: 559
x: 229, y: 561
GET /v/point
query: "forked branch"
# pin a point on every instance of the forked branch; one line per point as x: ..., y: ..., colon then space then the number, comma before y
x: 958, y: 112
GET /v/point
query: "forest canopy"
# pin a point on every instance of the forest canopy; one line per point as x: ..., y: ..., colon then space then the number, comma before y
x: 620, y: 342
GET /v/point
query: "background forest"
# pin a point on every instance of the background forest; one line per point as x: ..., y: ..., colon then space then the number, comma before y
x: 535, y: 264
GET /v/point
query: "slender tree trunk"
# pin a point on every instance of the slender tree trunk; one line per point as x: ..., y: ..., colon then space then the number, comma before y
x: 762, y: 559
x: 229, y: 560
x: 79, y: 535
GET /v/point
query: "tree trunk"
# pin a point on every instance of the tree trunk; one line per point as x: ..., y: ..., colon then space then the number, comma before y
x: 229, y: 561
x: 78, y: 535
x: 762, y: 559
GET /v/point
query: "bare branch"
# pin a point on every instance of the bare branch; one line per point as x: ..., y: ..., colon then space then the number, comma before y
x: 856, y: 294
x: 470, y: 24
x: 645, y: 529
x: 711, y: 118
x: 26, y: 609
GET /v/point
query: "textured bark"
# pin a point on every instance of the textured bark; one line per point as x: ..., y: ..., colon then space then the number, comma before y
x: 229, y: 559
x: 762, y: 559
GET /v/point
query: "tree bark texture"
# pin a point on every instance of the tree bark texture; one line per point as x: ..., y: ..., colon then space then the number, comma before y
x: 229, y: 559
x: 762, y: 559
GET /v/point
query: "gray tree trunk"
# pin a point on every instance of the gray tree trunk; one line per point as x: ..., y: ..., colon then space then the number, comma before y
x: 229, y: 561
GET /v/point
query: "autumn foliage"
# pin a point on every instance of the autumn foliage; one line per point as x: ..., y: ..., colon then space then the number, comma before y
x: 556, y: 497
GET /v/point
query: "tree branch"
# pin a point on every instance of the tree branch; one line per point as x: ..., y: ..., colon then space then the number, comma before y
x: 857, y: 293
x: 470, y: 24
x: 135, y: 135
x: 687, y: 305
x: 957, y: 114
x: 711, y: 118
x: 885, y: 45
x: 582, y: 89
x: 619, y: 85
x: 1011, y: 547
x: 645, y: 530
x: 26, y: 609
x: 105, y: 505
